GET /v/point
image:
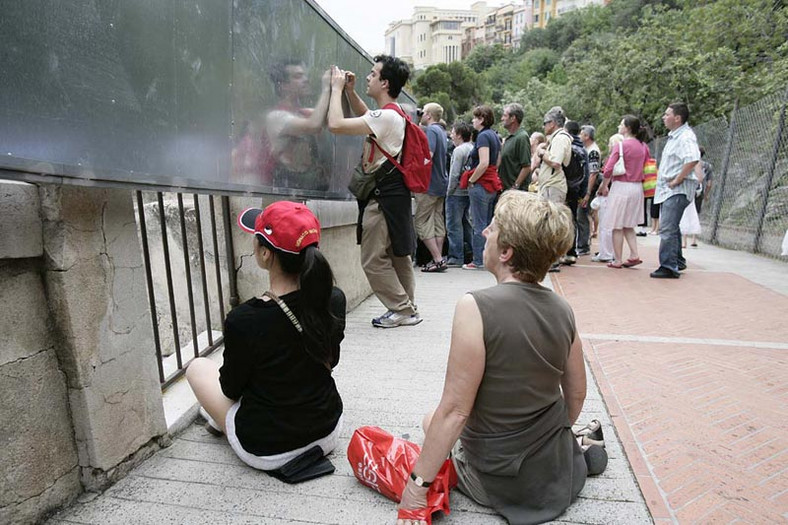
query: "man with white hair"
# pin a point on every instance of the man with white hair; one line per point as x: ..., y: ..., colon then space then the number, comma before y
x: 587, y: 135
x: 554, y: 154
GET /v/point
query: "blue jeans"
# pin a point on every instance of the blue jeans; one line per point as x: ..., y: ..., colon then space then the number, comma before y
x: 482, y: 207
x: 458, y: 227
x: 670, y: 256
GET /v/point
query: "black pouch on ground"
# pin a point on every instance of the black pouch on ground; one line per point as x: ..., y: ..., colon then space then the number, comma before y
x: 309, y: 465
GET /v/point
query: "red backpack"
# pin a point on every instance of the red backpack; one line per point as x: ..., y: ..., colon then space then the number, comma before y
x: 416, y: 167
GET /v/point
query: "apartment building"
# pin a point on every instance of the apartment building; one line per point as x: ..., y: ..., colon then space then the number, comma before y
x: 434, y: 36
x: 543, y: 11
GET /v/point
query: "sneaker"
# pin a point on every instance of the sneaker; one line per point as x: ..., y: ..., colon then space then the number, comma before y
x: 597, y: 258
x: 394, y: 319
x: 581, y: 253
x: 210, y: 424
x: 664, y: 273
x: 568, y: 260
x: 453, y: 263
x: 471, y: 266
x: 555, y: 268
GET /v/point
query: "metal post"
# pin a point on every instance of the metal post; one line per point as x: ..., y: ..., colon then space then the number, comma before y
x: 168, y: 272
x: 203, y: 278
x: 188, y: 272
x: 723, y: 174
x: 770, y: 176
x: 149, y: 278
x: 217, y: 267
x: 228, y: 246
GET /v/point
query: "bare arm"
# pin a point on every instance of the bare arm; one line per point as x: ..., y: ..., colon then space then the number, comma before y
x: 484, y: 163
x: 463, y: 376
x: 357, y: 105
x: 524, y: 171
x: 573, y: 383
x: 587, y: 196
x: 337, y: 123
x: 314, y: 122
x: 685, y: 171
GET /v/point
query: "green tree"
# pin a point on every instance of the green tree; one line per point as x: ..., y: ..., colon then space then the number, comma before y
x: 483, y: 57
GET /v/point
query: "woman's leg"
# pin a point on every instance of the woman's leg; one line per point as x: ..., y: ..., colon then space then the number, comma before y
x: 618, y: 244
x: 479, y: 210
x: 632, y: 242
x: 203, y: 378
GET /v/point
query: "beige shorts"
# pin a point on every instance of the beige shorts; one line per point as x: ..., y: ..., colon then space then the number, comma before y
x: 553, y: 194
x: 467, y: 478
x: 429, y: 217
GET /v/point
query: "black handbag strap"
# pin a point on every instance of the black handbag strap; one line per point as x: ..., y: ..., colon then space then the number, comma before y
x: 286, y: 309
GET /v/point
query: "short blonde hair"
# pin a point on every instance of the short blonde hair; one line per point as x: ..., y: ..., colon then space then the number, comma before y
x: 434, y: 110
x: 538, y: 232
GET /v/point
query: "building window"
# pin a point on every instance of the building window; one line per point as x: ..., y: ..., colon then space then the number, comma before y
x: 536, y: 19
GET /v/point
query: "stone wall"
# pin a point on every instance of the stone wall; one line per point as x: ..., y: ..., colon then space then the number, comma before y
x: 78, y: 376
x: 82, y: 401
x: 39, y: 469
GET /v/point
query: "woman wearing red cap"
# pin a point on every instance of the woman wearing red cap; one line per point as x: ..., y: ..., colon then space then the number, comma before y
x: 274, y: 396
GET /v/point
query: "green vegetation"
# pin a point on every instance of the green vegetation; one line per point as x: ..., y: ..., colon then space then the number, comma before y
x: 631, y: 56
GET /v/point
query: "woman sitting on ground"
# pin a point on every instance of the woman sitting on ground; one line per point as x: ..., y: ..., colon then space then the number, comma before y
x: 515, y: 381
x: 274, y: 396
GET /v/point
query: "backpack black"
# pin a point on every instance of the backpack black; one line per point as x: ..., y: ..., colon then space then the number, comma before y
x: 577, y: 169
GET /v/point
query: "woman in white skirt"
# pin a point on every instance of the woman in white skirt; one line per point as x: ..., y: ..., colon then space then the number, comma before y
x: 689, y: 226
x: 624, y: 208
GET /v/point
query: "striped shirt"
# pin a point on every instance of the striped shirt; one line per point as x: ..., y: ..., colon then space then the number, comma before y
x: 680, y: 149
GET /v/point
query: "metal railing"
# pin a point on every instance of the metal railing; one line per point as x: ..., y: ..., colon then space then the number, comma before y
x: 747, y: 208
x: 168, y: 226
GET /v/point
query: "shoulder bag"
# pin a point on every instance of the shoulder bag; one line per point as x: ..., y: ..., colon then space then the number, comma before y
x: 619, y: 168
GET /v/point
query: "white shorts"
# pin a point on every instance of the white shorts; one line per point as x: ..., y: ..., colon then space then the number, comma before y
x: 327, y: 444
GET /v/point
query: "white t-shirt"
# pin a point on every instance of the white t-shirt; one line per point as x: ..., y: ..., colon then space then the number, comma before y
x: 291, y: 151
x: 388, y: 128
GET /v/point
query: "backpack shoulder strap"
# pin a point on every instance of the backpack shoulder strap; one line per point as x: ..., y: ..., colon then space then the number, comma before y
x: 398, y: 109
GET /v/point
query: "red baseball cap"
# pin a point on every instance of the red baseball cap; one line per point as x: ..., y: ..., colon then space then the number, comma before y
x: 288, y: 226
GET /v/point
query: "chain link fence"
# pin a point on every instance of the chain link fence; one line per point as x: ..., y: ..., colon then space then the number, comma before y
x: 747, y: 207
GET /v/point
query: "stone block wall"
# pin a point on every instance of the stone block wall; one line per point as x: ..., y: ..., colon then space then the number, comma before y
x: 39, y: 469
x: 78, y: 376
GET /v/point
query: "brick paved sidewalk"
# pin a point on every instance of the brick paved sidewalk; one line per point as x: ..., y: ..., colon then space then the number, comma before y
x: 694, y: 374
x: 389, y: 378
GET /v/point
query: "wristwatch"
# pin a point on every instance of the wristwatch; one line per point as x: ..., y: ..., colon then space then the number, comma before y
x: 419, y: 481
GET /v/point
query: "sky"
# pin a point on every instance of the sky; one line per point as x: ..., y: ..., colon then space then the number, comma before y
x: 366, y: 21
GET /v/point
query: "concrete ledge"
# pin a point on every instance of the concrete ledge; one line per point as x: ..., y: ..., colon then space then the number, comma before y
x: 20, y: 230
x: 334, y: 213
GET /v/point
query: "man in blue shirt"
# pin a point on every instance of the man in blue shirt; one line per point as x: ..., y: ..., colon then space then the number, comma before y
x: 429, y: 216
x: 676, y: 185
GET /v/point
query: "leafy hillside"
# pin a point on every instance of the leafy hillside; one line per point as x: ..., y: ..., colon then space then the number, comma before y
x: 631, y: 56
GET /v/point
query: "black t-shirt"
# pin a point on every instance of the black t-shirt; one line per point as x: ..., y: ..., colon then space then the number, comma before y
x: 288, y: 399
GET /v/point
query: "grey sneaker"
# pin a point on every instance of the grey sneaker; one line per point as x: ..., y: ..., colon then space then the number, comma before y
x: 394, y: 319
x: 597, y: 258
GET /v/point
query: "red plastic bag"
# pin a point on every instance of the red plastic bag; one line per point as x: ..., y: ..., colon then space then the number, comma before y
x: 384, y: 462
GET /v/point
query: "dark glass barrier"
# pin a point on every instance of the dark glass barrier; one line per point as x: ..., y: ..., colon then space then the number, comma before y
x: 201, y: 95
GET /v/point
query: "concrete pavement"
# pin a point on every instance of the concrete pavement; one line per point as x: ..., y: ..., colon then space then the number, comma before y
x: 389, y: 378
